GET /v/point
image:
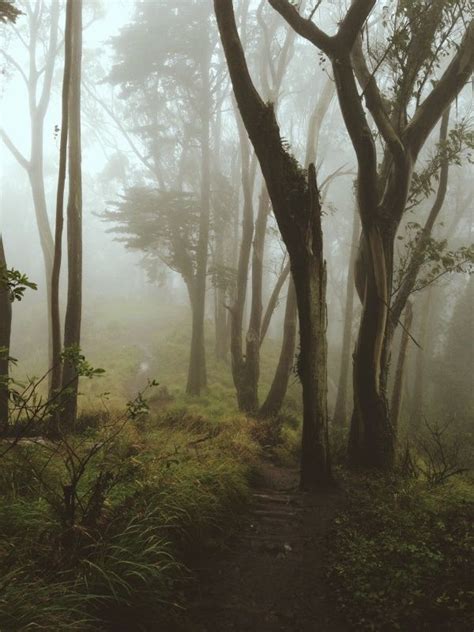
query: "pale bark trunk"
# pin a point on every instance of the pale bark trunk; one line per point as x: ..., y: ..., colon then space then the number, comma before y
x: 340, y: 410
x: 197, y: 377
x: 56, y: 365
x: 72, y: 324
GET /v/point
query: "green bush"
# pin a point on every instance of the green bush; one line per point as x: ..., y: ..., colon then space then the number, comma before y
x: 400, y: 556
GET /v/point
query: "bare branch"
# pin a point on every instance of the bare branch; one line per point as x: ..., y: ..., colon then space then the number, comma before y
x: 448, y: 87
x: 16, y: 153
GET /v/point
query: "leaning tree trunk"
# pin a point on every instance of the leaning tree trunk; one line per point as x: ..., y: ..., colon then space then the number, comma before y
x: 5, y: 333
x: 72, y: 325
x: 197, y: 377
x: 276, y: 395
x: 340, y: 409
x: 396, y: 402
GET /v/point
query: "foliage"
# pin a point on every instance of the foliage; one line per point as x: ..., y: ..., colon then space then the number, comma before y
x: 437, y: 260
x: 173, y: 485
x: 162, y: 224
x: 400, y: 556
x: 16, y: 282
x: 9, y: 12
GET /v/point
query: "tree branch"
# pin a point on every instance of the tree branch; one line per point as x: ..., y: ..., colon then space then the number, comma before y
x: 14, y: 63
x: 304, y: 27
x: 448, y: 87
x: 16, y: 153
x: 375, y: 104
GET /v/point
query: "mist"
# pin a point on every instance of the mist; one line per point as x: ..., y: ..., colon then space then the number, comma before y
x: 236, y: 310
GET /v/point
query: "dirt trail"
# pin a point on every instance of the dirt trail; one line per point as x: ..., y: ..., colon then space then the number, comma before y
x: 270, y: 579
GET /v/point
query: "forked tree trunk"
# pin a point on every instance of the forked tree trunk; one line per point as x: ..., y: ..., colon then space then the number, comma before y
x: 371, y: 438
x: 72, y: 325
x: 276, y: 395
x: 5, y: 333
x: 397, y: 391
x: 340, y: 409
x: 247, y: 375
x: 295, y: 201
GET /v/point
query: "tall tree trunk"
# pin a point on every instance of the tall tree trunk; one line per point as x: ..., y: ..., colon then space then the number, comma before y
x: 309, y: 275
x: 46, y: 238
x: 72, y: 325
x: 56, y: 366
x: 276, y: 395
x: 5, y: 333
x: 397, y: 391
x: 340, y: 409
x: 295, y: 200
x: 248, y: 379
x: 420, y: 362
x: 197, y: 378
x: 237, y: 309
x: 371, y: 438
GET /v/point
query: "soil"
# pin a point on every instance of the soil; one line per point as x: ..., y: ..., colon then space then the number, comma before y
x: 270, y: 577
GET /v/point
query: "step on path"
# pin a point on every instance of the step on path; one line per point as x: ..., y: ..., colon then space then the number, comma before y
x: 270, y: 579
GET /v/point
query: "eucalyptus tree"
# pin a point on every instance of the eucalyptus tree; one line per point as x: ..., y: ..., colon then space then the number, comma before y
x: 73, y: 316
x: 296, y: 205
x: 40, y: 42
x: 421, y: 88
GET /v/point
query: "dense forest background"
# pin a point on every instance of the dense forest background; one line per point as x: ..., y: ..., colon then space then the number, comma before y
x: 236, y: 256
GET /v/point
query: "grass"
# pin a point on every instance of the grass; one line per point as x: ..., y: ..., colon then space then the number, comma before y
x: 181, y: 480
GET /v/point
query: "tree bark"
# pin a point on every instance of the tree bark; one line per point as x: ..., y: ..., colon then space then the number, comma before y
x: 276, y: 395
x: 340, y: 409
x: 72, y: 325
x: 5, y: 334
x: 295, y: 201
x: 197, y: 377
x: 397, y: 391
x: 420, y: 363
x: 56, y: 365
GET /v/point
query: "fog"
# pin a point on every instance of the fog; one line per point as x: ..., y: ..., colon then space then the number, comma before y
x: 267, y: 210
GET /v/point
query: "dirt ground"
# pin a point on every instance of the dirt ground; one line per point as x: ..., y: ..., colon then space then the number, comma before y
x: 269, y: 578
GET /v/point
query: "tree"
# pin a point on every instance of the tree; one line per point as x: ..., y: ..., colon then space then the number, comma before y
x: 55, y: 382
x: 12, y: 288
x: 295, y: 201
x: 340, y: 409
x: 149, y: 68
x: 419, y: 29
x: 72, y: 324
x: 38, y: 80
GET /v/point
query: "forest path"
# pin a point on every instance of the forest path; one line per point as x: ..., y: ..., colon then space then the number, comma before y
x: 270, y: 578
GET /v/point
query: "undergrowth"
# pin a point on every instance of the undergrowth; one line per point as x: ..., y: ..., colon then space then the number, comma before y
x: 179, y: 481
x: 400, y: 555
